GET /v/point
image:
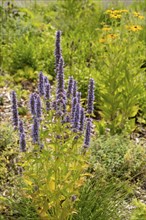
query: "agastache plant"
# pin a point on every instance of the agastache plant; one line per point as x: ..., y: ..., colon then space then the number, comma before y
x: 15, y: 118
x: 70, y: 87
x: 60, y: 93
x: 44, y: 168
x: 21, y: 129
x: 87, y: 134
x: 76, y: 118
x: 22, y: 141
x: 57, y: 50
x: 73, y: 107
x: 82, y: 119
x: 35, y: 131
x: 74, y: 88
x: 90, y: 101
x: 38, y: 107
x: 47, y: 96
x: 32, y: 104
x: 41, y: 84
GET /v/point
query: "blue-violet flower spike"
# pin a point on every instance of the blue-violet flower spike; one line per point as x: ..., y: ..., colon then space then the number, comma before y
x: 41, y: 84
x: 73, y: 107
x: 82, y: 119
x: 57, y: 50
x: 47, y: 96
x: 14, y: 109
x: 74, y: 88
x: 22, y: 142
x: 76, y: 118
x: 70, y: 87
x: 32, y: 103
x: 87, y: 134
x: 35, y: 131
x: 38, y: 107
x: 21, y: 129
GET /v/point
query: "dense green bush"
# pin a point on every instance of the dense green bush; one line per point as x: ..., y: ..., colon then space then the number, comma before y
x: 119, y: 157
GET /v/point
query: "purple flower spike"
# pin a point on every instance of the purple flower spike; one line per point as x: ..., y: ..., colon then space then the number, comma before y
x: 38, y: 107
x: 21, y: 129
x: 47, y: 95
x: 35, y: 131
x: 73, y: 107
x: 14, y: 109
x: 41, y: 84
x: 46, y: 80
x: 60, y: 93
x: 90, y: 106
x: 67, y: 120
x: 76, y: 118
x: 87, y: 134
x: 22, y: 142
x: 74, y: 88
x: 57, y: 50
x: 70, y: 87
x: 82, y: 119
x: 60, y: 77
x: 32, y: 103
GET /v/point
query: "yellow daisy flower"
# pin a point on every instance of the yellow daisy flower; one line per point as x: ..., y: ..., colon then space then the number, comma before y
x: 134, y: 28
x: 112, y: 36
x: 115, y: 16
x: 108, y: 11
x: 106, y: 28
x: 138, y: 15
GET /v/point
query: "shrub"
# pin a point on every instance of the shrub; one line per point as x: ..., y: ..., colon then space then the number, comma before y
x: 120, y: 157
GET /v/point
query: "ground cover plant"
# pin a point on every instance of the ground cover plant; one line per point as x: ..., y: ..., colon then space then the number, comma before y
x: 60, y: 157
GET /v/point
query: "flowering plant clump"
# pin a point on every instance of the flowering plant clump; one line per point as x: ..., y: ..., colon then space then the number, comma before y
x: 119, y: 22
x: 56, y: 158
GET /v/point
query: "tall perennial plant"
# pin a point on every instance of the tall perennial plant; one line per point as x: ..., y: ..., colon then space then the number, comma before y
x: 55, y: 161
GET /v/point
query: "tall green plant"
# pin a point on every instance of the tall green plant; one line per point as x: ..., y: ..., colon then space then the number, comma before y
x: 120, y: 84
x: 52, y: 177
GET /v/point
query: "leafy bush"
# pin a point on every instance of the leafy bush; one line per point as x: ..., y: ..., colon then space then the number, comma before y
x: 119, y: 157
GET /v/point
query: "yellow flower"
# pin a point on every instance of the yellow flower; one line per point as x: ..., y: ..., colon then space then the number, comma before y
x: 112, y: 36
x: 124, y: 11
x: 108, y: 11
x: 106, y: 28
x: 102, y: 40
x: 134, y: 28
x: 141, y: 17
x: 115, y: 16
x: 108, y: 38
x: 138, y: 15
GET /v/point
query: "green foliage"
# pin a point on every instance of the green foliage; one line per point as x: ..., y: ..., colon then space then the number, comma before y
x: 17, y: 208
x: 23, y: 55
x: 8, y: 167
x: 119, y: 157
x: 101, y: 200
x: 139, y: 211
x: 53, y: 175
